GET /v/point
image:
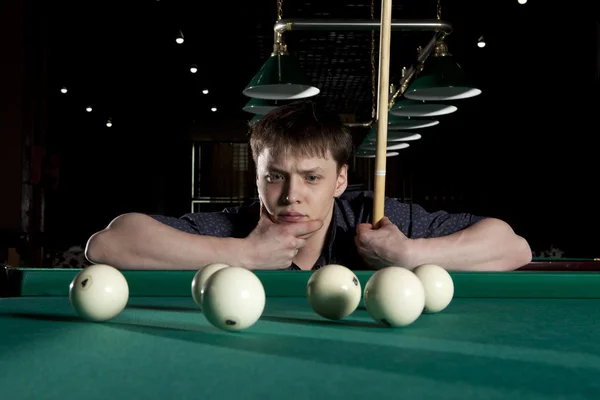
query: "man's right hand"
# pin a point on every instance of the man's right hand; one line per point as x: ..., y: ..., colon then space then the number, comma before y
x: 274, y: 246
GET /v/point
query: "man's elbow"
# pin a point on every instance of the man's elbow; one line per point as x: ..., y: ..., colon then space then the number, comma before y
x: 522, y: 252
x: 93, y: 248
x: 517, y: 252
x: 98, y: 245
x: 513, y: 251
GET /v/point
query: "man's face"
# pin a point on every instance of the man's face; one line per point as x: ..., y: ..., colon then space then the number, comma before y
x: 298, y: 189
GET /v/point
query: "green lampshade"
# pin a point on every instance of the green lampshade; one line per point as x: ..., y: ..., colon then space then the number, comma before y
x: 442, y: 79
x: 255, y: 119
x: 262, y: 106
x: 396, y: 123
x: 389, y: 147
x: 280, y: 78
x: 415, y: 108
x: 373, y: 154
x: 394, y: 136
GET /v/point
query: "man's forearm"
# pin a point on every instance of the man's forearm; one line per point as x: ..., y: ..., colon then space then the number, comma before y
x: 137, y: 241
x: 488, y: 245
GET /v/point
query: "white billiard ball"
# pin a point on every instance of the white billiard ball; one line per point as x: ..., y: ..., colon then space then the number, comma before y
x: 333, y: 291
x: 438, y: 285
x: 200, y: 279
x: 233, y: 299
x: 99, y: 293
x: 394, y: 296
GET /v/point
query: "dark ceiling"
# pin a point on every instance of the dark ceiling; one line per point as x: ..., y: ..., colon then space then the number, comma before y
x: 122, y: 58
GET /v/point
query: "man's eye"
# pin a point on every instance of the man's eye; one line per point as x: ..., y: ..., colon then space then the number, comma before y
x: 273, y: 177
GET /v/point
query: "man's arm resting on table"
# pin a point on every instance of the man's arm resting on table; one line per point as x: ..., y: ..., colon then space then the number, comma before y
x: 138, y: 241
x: 487, y: 245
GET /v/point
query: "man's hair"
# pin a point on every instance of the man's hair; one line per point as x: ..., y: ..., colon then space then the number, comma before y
x: 304, y: 129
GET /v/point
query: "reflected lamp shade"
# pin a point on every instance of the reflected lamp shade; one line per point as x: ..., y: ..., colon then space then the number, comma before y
x: 394, y: 136
x: 396, y: 123
x: 262, y: 106
x: 255, y: 119
x: 373, y: 154
x: 389, y: 147
x: 415, y: 108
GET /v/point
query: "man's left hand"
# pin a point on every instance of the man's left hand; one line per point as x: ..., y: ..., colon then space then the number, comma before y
x: 383, y: 245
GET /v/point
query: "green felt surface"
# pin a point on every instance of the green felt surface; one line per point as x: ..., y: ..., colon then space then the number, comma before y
x: 516, y: 284
x: 163, y: 348
x: 562, y: 259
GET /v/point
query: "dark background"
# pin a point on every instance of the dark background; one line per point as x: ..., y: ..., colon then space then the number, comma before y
x: 523, y: 151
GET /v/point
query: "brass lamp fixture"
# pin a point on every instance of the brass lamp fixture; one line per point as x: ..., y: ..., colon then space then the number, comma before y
x: 280, y: 77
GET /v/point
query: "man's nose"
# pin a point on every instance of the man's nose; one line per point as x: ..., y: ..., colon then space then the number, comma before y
x: 292, y: 192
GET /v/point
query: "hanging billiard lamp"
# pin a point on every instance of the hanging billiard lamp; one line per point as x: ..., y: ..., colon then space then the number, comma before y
x: 441, y: 79
x: 280, y: 78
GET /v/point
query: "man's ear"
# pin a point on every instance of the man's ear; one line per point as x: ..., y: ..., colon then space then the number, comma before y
x: 342, y: 180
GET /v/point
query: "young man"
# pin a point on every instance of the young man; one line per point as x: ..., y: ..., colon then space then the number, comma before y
x: 304, y: 219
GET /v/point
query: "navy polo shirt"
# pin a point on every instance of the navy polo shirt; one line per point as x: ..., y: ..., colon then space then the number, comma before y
x: 350, y: 209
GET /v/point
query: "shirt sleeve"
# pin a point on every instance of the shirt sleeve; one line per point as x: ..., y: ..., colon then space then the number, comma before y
x: 235, y: 222
x: 415, y: 222
x: 208, y: 224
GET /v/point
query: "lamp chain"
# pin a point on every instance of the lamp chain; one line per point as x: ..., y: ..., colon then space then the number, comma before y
x: 279, y: 10
x: 442, y: 35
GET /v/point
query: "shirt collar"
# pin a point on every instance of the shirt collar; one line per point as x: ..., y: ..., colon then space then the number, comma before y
x: 337, y: 223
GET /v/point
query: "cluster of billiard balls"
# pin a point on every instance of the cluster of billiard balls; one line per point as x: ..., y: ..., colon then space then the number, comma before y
x: 393, y: 296
x: 233, y: 298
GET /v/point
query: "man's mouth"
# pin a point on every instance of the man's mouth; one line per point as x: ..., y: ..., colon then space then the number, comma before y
x: 291, y: 216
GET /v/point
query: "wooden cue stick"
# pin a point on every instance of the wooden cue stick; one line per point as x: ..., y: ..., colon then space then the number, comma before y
x: 382, y: 111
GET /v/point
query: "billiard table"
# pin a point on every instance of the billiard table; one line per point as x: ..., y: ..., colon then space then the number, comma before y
x: 526, y: 334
